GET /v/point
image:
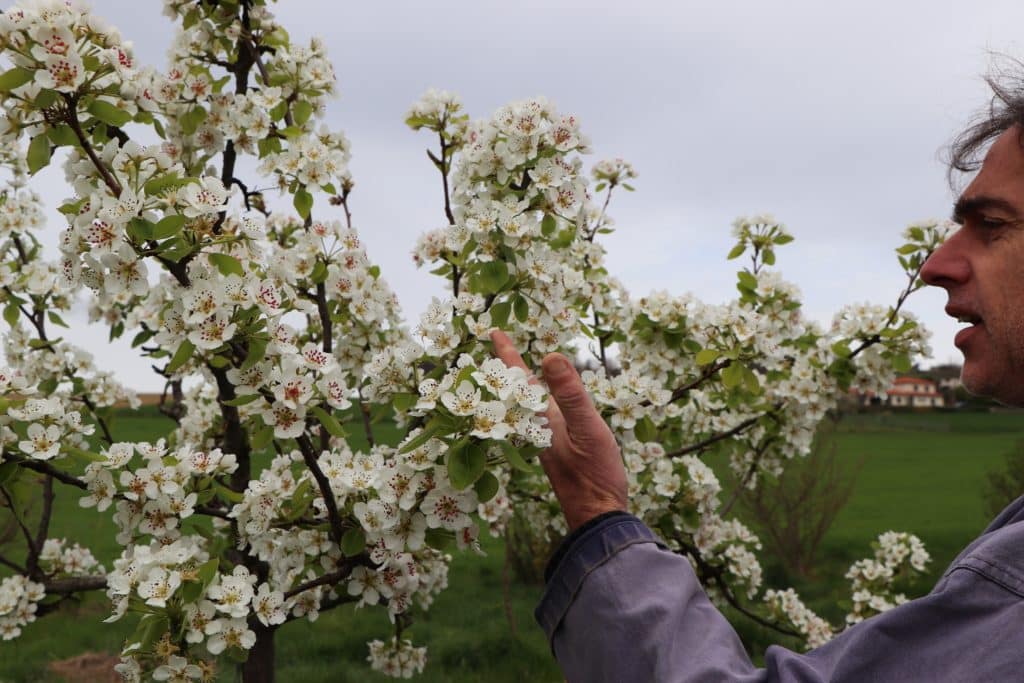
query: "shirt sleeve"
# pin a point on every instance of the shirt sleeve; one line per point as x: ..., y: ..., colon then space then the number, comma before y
x: 620, y: 606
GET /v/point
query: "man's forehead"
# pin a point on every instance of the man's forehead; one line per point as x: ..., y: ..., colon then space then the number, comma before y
x: 1001, y: 176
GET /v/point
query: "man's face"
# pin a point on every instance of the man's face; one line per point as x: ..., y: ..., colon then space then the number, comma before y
x: 981, y: 267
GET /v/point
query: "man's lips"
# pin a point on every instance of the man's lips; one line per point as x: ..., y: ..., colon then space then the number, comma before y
x: 965, y: 314
x: 964, y: 336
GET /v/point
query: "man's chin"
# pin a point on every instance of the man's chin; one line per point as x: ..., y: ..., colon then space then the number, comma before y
x: 981, y: 384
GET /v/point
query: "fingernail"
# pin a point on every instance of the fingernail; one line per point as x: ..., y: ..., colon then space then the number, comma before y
x: 559, y: 368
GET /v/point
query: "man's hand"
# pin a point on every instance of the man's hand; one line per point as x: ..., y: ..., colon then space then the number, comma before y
x: 583, y: 462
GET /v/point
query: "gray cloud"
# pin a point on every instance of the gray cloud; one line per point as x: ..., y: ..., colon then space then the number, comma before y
x: 829, y: 115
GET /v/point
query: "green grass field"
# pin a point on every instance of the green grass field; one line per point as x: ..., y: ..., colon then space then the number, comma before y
x: 922, y: 473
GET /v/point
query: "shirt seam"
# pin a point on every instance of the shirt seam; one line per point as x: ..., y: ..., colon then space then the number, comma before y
x: 995, y: 573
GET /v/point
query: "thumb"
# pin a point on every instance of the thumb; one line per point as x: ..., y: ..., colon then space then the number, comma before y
x: 568, y: 391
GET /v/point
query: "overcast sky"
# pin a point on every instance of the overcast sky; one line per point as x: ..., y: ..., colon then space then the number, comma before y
x: 830, y: 115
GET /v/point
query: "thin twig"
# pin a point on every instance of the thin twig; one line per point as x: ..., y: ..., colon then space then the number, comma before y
x: 741, y: 427
x: 71, y: 100
x: 309, y: 457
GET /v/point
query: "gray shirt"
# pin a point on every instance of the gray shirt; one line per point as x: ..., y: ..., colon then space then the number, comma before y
x: 621, y: 607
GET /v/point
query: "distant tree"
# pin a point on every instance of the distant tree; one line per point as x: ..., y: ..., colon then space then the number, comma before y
x: 1006, y: 485
x: 795, y: 510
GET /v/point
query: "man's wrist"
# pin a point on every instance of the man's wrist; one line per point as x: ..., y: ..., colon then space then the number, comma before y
x: 574, y: 535
x: 579, y: 518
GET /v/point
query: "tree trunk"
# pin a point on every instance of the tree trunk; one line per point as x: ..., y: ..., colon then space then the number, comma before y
x: 259, y: 668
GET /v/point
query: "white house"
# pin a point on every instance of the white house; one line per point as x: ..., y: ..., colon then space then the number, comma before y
x: 914, y: 392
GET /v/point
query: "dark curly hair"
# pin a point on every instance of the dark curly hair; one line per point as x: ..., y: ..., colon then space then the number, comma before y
x: 1005, y: 110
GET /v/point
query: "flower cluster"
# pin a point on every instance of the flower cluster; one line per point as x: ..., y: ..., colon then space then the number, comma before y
x: 787, y: 606
x: 19, y: 598
x: 397, y: 658
x: 873, y: 582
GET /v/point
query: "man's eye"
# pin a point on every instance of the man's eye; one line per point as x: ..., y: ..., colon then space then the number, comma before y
x: 992, y: 223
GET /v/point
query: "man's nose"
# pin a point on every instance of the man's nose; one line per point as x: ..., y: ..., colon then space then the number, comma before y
x: 948, y: 264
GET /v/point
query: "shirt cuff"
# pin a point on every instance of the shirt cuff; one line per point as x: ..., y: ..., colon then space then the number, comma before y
x: 583, y: 551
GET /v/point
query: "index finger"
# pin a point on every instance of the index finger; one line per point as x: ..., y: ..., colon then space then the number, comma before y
x: 509, y: 354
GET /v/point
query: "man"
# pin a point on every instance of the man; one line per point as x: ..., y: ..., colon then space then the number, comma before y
x: 620, y: 607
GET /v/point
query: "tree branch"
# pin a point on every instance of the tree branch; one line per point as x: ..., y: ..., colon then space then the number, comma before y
x: 309, y: 456
x: 741, y: 427
x: 71, y: 100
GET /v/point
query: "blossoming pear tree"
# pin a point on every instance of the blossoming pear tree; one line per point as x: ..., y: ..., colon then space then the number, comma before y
x: 280, y: 343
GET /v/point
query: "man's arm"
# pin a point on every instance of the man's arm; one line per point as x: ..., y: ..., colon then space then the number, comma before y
x: 621, y: 607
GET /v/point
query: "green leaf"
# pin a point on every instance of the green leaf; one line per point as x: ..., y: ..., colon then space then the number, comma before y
x: 842, y: 348
x: 901, y: 362
x: 261, y: 438
x: 151, y: 628
x: 108, y: 113
x: 439, y: 539
x: 11, y: 313
x: 227, y: 265
x: 38, y: 153
x: 257, y: 352
x: 42, y: 343
x: 228, y: 495
x: 645, y: 430
x: 515, y: 458
x: 907, y: 249
x: 493, y: 276
x: 72, y: 208
x: 219, y: 362
x: 466, y: 463
x: 303, y: 203
x: 45, y: 99
x: 548, y: 225
x: 750, y: 381
x: 707, y: 356
x: 181, y: 356
x: 747, y: 280
x: 56, y: 319
x: 783, y: 239
x: 191, y: 591
x: 737, y: 251
x: 732, y: 375
x: 161, y: 183
x: 140, y: 229
x: 486, y: 487
x: 242, y: 400
x: 169, y: 226
x: 328, y: 421
x: 7, y: 472
x: 426, y: 435
x: 192, y: 119
x: 499, y: 313
x: 301, y: 111
x: 84, y: 455
x: 521, y: 308
x: 319, y: 273
x: 268, y: 146
x: 403, y: 401
x: 62, y: 136
x: 142, y: 338
x: 768, y: 256
x: 15, y: 78
x: 353, y: 542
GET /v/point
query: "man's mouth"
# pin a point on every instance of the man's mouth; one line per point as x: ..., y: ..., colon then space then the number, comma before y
x: 963, y: 315
x: 967, y: 317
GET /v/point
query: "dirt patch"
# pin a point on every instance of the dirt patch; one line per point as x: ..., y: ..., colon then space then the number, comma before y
x: 88, y: 667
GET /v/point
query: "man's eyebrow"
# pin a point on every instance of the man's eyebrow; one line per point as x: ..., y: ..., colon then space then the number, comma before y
x: 969, y: 205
